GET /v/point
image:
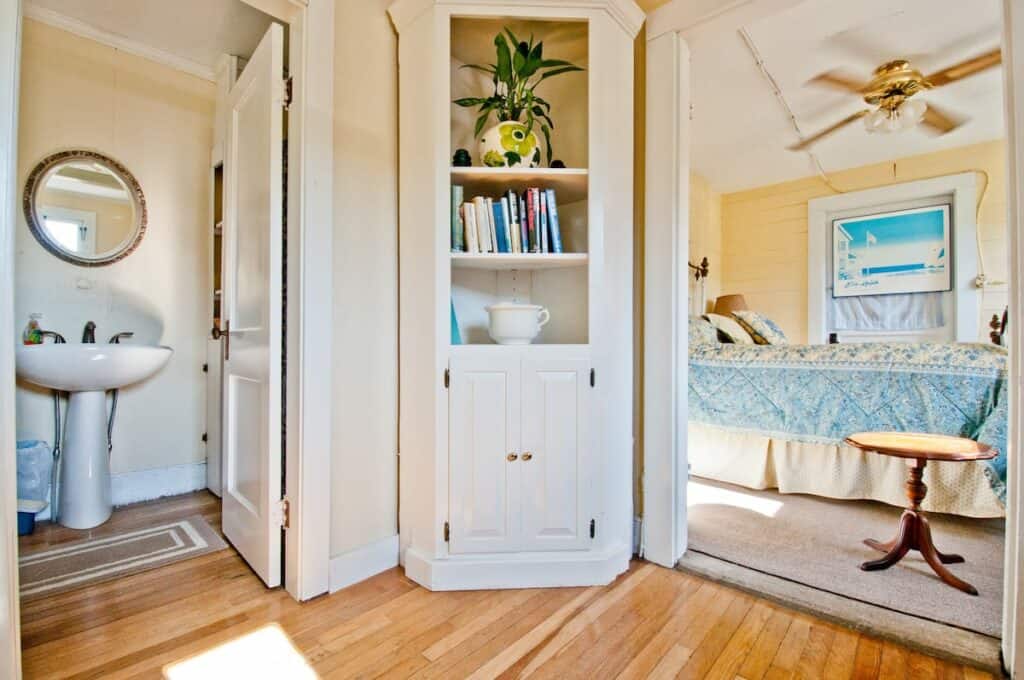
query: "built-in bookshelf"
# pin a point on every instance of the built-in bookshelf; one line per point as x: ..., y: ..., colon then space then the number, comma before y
x: 474, y: 413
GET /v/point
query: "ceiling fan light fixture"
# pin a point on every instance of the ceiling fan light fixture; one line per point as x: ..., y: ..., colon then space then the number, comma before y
x: 876, y: 120
x: 912, y: 111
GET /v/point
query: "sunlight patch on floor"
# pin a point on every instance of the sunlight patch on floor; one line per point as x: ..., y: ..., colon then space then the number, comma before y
x: 264, y: 653
x: 704, y: 494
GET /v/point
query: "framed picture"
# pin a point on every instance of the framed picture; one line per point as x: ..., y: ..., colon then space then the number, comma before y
x: 904, y: 251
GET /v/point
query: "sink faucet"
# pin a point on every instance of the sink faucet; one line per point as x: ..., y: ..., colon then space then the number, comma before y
x: 116, y: 339
x: 58, y: 339
x: 89, y: 334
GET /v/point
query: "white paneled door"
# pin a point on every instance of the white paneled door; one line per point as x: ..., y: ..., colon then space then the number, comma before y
x: 252, y: 310
x: 518, y: 454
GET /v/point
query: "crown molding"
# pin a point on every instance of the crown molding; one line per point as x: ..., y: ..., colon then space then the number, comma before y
x: 119, y: 42
x: 625, y: 12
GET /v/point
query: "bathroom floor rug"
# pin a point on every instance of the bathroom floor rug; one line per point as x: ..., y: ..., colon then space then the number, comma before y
x: 80, y: 563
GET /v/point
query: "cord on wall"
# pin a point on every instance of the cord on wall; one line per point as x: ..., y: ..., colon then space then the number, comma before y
x: 785, y: 105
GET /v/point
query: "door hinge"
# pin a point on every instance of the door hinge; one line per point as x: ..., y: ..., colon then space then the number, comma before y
x: 206, y: 368
x: 447, y: 532
x: 283, y: 508
x: 287, y: 92
x: 204, y: 437
x: 593, y: 377
x: 447, y: 378
x: 593, y: 527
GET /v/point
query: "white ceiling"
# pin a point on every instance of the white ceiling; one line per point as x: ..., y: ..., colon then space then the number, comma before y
x: 193, y: 32
x: 740, y: 130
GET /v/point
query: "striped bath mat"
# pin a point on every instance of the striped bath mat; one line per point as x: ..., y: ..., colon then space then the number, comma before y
x: 81, y: 563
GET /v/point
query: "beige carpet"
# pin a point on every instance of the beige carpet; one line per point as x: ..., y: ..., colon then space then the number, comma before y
x: 80, y: 563
x: 817, y: 542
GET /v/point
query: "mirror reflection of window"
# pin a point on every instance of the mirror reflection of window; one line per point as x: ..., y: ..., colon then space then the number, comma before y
x: 92, y: 195
x: 67, y: 234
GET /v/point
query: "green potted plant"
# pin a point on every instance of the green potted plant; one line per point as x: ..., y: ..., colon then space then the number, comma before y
x: 518, y: 70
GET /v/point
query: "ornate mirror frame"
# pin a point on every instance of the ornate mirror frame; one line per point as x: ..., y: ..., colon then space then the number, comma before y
x: 34, y: 184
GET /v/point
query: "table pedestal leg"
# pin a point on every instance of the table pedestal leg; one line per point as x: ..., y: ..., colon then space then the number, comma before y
x: 916, y: 534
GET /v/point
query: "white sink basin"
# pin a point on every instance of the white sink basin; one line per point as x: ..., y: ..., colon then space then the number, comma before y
x: 88, y: 367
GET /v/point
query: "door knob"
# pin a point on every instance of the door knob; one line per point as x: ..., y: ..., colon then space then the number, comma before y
x: 215, y: 332
x: 527, y: 456
x: 511, y: 457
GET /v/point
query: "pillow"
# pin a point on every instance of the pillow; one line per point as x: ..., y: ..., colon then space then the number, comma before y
x: 729, y: 328
x: 702, y: 332
x: 763, y: 330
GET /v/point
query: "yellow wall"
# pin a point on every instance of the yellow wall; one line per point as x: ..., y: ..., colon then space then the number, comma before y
x: 705, y: 237
x: 158, y: 122
x: 764, y: 230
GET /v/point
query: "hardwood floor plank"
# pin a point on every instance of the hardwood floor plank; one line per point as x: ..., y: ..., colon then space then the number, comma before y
x: 650, y: 622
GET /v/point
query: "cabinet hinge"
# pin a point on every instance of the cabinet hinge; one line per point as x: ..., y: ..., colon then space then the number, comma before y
x: 593, y: 377
x: 283, y: 508
x: 447, y: 532
x: 204, y: 437
x: 447, y: 378
x: 287, y: 92
x: 593, y: 527
x: 206, y: 368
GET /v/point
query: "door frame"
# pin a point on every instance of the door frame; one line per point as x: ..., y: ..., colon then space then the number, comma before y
x: 671, y: 30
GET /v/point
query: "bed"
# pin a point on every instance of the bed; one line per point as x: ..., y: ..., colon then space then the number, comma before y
x: 774, y: 417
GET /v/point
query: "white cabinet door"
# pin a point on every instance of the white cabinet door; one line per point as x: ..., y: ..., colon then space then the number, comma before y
x: 555, y: 509
x: 252, y: 311
x: 484, y: 411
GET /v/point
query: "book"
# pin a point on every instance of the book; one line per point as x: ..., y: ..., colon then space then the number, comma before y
x: 524, y: 237
x: 499, y: 228
x: 458, y: 244
x: 544, y: 245
x: 483, y: 225
x: 507, y: 226
x: 553, y: 224
x: 456, y: 334
x: 469, y: 220
x: 533, y: 213
x: 512, y: 201
x: 492, y: 228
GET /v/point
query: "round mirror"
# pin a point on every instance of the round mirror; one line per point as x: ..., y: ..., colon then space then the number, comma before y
x: 85, y: 208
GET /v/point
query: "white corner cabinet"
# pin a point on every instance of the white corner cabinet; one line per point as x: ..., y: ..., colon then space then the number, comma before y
x: 516, y: 462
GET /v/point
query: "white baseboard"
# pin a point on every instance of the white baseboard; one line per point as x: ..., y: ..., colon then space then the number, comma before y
x: 146, y: 485
x: 362, y: 563
x: 517, y: 570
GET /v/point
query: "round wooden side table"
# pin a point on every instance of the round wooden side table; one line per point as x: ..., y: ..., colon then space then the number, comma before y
x: 914, y: 531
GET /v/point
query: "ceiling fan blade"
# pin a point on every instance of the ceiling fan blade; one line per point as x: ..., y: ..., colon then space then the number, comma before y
x: 941, y: 121
x: 837, y: 80
x: 829, y: 130
x: 965, y: 68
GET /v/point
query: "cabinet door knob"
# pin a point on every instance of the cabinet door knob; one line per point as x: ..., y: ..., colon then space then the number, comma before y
x: 527, y: 456
x: 511, y: 457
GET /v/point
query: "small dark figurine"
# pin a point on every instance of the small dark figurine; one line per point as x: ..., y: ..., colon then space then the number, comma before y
x: 461, y: 159
x: 557, y: 164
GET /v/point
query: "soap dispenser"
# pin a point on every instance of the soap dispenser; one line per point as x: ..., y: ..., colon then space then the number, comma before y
x: 32, y: 334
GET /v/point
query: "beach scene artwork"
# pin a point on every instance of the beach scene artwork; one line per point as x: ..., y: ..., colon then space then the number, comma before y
x: 905, y: 251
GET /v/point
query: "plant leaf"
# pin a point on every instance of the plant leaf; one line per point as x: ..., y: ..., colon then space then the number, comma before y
x: 470, y: 101
x: 480, y: 122
x: 486, y: 69
x: 547, y: 141
x: 539, y: 112
x: 511, y: 36
x: 557, y: 71
x: 504, y: 69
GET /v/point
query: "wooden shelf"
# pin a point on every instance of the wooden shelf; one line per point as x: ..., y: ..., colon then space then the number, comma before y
x: 570, y: 184
x: 509, y: 261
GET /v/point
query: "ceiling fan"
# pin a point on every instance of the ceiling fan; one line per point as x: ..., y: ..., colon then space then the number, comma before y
x: 891, y: 90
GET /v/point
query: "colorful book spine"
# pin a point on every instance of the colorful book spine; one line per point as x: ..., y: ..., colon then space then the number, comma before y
x: 499, y: 228
x: 458, y: 242
x: 469, y: 219
x: 483, y: 225
x: 545, y: 247
x: 553, y: 224
x: 532, y: 215
x: 506, y: 224
x: 524, y: 236
x: 492, y: 228
x: 510, y: 204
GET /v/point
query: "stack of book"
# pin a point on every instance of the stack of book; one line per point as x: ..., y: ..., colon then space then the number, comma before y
x: 514, y: 223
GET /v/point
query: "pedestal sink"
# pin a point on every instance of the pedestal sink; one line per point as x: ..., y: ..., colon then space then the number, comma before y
x: 87, y: 371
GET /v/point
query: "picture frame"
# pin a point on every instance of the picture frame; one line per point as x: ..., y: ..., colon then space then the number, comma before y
x: 893, y: 252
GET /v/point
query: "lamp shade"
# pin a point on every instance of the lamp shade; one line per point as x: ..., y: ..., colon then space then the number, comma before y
x: 727, y: 304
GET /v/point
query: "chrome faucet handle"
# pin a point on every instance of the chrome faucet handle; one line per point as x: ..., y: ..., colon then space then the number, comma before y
x: 116, y: 339
x: 58, y: 339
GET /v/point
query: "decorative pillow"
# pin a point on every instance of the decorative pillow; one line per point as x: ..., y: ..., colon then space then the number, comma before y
x: 763, y: 330
x: 702, y: 332
x: 730, y: 329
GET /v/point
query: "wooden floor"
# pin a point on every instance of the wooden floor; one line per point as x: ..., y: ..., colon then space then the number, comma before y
x: 650, y: 623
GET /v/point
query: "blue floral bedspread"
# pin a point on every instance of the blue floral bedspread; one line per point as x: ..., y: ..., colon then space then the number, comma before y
x: 822, y: 393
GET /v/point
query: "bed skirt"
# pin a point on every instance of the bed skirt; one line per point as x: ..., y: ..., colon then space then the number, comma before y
x: 835, y: 471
